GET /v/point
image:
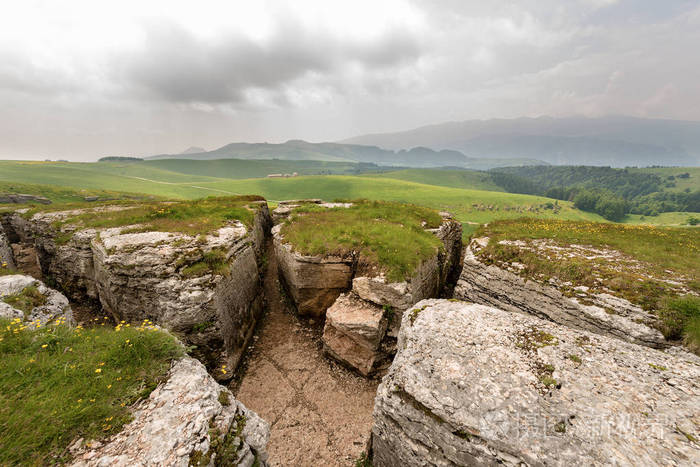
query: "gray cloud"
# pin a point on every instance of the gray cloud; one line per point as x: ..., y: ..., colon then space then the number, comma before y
x: 164, y: 84
x: 177, y: 66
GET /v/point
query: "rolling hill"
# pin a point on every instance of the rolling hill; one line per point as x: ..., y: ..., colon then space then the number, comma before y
x: 607, y: 141
x: 333, y: 152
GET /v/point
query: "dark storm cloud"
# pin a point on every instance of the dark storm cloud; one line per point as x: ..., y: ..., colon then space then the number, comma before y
x: 177, y: 66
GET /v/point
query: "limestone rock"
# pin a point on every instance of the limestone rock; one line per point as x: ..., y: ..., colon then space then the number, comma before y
x: 450, y: 232
x: 20, y: 198
x: 285, y: 208
x: 144, y: 276
x: 69, y: 263
x: 491, y: 285
x: 314, y: 282
x: 353, y: 331
x: 369, y: 293
x: 475, y: 385
x: 5, y: 251
x: 177, y: 422
x: 378, y: 290
x: 55, y: 303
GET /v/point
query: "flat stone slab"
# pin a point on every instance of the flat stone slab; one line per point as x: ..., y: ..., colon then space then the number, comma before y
x: 475, y: 385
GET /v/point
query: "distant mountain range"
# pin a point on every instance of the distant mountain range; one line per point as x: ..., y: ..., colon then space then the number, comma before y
x: 302, y: 150
x: 607, y: 141
x: 193, y: 150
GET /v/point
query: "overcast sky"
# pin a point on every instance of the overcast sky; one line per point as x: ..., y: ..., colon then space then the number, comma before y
x: 84, y: 79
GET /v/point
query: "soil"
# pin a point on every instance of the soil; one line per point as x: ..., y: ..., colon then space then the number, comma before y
x: 319, y: 412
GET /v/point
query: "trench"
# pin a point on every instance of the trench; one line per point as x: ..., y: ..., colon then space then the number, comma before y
x: 319, y: 412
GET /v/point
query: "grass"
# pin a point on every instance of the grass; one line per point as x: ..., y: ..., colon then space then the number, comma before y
x: 191, y: 217
x: 692, y: 182
x: 675, y: 249
x: 681, y: 319
x: 454, y: 178
x: 664, y: 218
x: 389, y: 235
x: 59, y: 194
x: 241, y: 168
x: 652, y: 256
x: 468, y: 205
x: 213, y: 262
x: 26, y: 300
x: 58, y: 384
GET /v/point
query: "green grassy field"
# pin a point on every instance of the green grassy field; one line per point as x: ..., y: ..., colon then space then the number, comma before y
x: 470, y: 179
x: 664, y: 218
x: 468, y: 205
x: 60, y: 194
x: 238, y: 168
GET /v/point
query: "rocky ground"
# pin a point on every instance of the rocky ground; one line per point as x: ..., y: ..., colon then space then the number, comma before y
x: 319, y: 412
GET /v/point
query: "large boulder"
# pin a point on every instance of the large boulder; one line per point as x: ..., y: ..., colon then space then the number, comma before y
x: 353, y: 332
x: 600, y: 313
x: 475, y: 385
x: 27, y: 299
x: 188, y: 420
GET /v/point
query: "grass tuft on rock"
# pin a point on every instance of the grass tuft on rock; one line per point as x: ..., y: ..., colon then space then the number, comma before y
x: 389, y: 235
x: 680, y: 319
x: 58, y: 384
x: 26, y: 300
x: 195, y: 217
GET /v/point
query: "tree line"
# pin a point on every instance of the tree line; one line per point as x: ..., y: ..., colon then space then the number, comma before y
x: 610, y: 192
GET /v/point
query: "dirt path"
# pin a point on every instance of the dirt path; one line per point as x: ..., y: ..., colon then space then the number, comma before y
x: 320, y: 413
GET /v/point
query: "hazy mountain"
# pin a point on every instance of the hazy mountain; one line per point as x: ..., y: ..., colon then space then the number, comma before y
x: 302, y: 150
x: 616, y: 141
x: 193, y: 150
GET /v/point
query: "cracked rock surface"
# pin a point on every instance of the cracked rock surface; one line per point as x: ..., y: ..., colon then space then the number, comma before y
x: 495, y: 286
x: 475, y: 385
